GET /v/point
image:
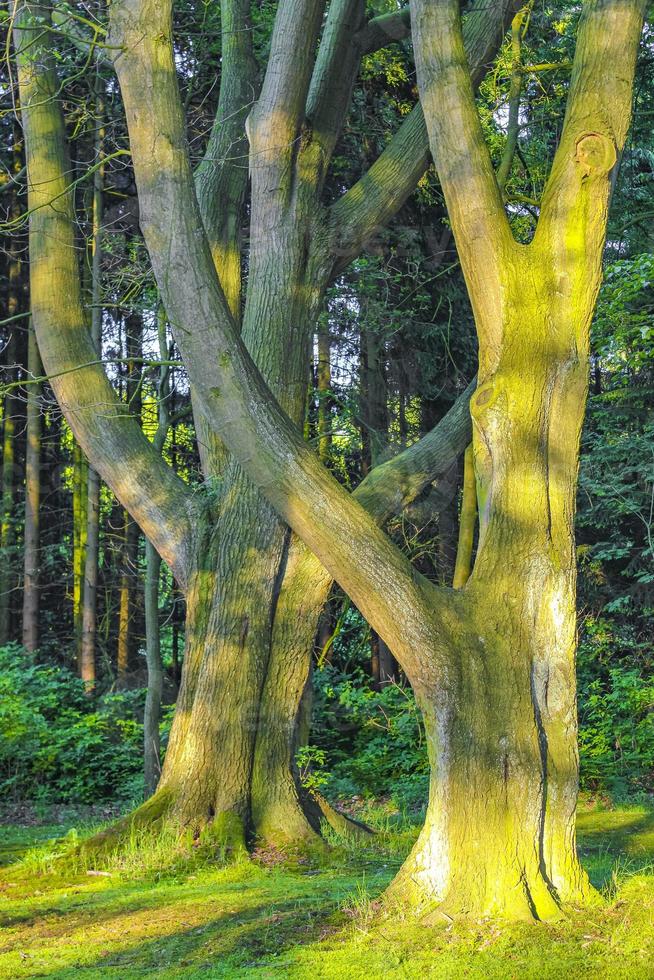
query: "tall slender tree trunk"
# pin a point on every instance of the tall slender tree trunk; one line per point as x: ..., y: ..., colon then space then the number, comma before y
x: 80, y: 487
x: 7, y: 534
x: 152, y: 712
x: 324, y: 383
x: 10, y: 407
x: 128, y: 576
x: 32, y: 497
x: 130, y: 547
x: 90, y: 587
x: 90, y: 593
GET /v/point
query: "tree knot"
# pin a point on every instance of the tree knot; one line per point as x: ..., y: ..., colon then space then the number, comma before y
x: 595, y: 154
x: 482, y: 398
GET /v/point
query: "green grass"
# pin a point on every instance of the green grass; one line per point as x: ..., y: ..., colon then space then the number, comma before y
x: 159, y: 914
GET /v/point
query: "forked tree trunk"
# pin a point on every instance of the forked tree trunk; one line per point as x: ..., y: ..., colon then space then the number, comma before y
x: 499, y: 836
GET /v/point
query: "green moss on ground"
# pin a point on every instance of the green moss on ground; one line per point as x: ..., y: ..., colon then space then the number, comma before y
x: 261, y: 918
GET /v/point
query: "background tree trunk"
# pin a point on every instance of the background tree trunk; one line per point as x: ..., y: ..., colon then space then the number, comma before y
x: 152, y: 712
x: 32, y: 497
x: 10, y: 408
x: 89, y: 613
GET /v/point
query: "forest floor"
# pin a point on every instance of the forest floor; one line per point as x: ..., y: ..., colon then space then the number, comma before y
x: 165, y: 917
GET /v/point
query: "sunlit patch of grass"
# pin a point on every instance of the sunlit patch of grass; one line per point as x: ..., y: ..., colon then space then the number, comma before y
x: 167, y: 915
x: 606, y: 835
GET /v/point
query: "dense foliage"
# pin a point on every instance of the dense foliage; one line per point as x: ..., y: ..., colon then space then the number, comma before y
x: 57, y: 744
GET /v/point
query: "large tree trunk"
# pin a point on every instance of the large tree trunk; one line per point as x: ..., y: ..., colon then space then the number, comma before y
x: 499, y: 837
x: 501, y: 724
x: 207, y: 786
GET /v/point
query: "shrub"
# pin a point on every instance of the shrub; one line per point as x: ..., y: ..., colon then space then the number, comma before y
x: 59, y: 745
x: 373, y: 740
x: 616, y: 710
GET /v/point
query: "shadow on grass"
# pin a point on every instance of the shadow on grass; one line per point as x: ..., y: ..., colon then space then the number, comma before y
x: 611, y: 840
x: 261, y: 918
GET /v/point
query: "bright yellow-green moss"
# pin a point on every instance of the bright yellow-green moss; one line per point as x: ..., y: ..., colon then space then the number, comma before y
x: 252, y: 920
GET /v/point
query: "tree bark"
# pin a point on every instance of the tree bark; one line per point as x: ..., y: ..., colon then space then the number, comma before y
x: 32, y: 497
x: 90, y: 589
x: 152, y: 712
x: 9, y: 409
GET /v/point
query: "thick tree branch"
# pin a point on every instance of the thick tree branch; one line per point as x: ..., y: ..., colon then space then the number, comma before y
x: 221, y: 182
x: 575, y: 202
x: 149, y: 489
x: 474, y: 202
x: 277, y: 119
x: 221, y: 179
x: 393, y: 485
x: 334, y: 73
x: 384, y: 30
x: 379, y: 194
x: 405, y: 609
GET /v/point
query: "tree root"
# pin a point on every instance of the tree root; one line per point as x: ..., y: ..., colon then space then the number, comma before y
x: 223, y: 836
x: 150, y: 815
x: 342, y: 824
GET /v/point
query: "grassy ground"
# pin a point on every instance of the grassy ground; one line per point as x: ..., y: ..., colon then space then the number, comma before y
x: 159, y: 916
